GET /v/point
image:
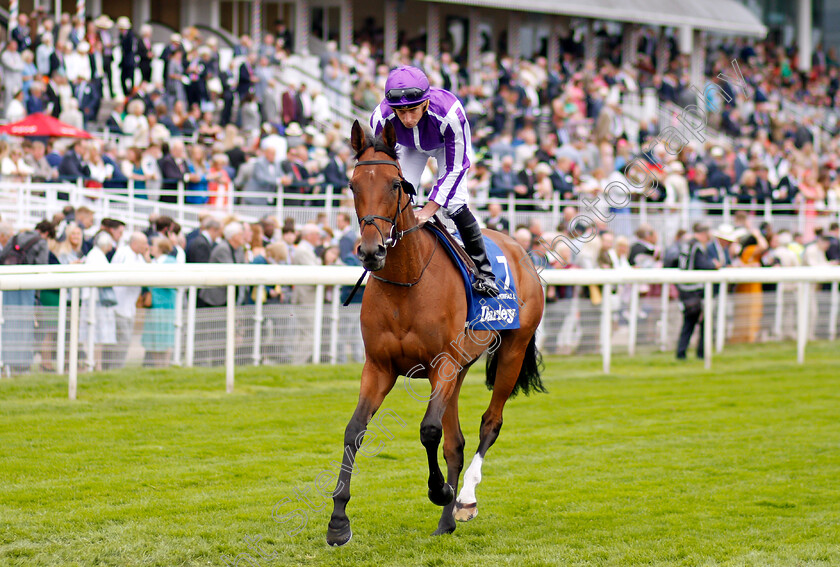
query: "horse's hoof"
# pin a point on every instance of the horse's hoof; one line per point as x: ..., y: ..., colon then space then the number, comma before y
x: 443, y: 496
x: 443, y: 530
x: 465, y: 512
x: 340, y: 536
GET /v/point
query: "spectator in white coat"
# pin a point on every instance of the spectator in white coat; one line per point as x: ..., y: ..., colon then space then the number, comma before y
x: 133, y: 253
x: 104, y: 326
x: 12, y: 64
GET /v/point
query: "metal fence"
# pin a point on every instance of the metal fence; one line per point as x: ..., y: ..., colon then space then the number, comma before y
x: 637, y: 311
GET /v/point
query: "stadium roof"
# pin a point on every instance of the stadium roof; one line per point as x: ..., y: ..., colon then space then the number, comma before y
x: 726, y: 16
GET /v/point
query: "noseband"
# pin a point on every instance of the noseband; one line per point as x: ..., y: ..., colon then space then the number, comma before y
x: 394, y: 234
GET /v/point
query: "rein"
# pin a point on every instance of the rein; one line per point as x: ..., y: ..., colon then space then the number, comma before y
x: 415, y: 282
x: 394, y: 234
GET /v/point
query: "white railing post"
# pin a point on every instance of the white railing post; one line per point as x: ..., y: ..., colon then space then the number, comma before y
x: 1, y: 334
x: 279, y: 206
x: 768, y: 210
x: 720, y: 337
x: 191, y: 300
x: 511, y: 213
x: 51, y: 197
x: 801, y: 218
x: 780, y: 309
x: 230, y: 342
x: 663, y: 320
x: 61, y: 335
x: 832, y: 312
x: 643, y: 209
x: 27, y: 199
x: 74, y: 341
x: 21, y: 205
x: 328, y: 205
x: 727, y: 210
x: 91, y: 336
x: 179, y: 326
x: 606, y: 327
x: 336, y: 301
x: 258, y: 321
x: 634, y: 319
x: 106, y: 203
x: 131, y: 226
x: 319, y: 324
x: 708, y: 326
x: 76, y: 192
x: 180, y: 201
x: 801, y: 321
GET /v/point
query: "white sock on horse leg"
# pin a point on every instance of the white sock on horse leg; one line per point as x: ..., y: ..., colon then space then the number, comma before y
x: 471, y: 479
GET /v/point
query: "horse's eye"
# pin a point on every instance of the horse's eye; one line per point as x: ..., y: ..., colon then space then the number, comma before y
x: 397, y: 184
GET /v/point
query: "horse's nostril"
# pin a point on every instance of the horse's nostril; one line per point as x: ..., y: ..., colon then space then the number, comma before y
x: 380, y: 250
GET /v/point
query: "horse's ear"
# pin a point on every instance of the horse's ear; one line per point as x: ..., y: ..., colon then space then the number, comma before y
x: 358, y: 140
x: 389, y: 135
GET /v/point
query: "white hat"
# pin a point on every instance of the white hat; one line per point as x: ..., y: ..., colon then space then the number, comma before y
x: 543, y: 168
x: 729, y: 233
x: 725, y: 232
x: 717, y: 151
x: 175, y: 38
x: 294, y: 129
x: 123, y: 23
x: 83, y: 47
x: 676, y: 166
x: 103, y: 22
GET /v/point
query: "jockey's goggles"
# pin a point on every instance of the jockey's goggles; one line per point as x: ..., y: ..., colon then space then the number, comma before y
x: 407, y: 96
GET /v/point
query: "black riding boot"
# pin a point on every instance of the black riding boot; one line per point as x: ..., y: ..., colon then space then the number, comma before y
x: 485, y: 281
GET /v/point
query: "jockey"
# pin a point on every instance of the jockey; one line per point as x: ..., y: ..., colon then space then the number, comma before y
x: 430, y: 122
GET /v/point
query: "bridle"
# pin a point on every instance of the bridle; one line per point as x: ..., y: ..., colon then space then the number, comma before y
x: 394, y: 235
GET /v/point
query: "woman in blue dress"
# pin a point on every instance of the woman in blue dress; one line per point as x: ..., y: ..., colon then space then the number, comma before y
x: 159, y: 325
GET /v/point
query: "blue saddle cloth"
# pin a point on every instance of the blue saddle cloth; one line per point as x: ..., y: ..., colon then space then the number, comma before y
x: 487, y: 313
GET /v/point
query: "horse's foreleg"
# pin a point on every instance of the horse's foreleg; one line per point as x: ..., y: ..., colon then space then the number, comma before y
x: 453, y: 453
x: 431, y: 432
x: 375, y: 386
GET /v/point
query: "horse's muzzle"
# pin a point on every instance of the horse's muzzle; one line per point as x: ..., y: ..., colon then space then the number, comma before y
x: 372, y: 260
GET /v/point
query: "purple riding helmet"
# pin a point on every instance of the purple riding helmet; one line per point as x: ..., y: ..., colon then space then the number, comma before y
x: 406, y: 87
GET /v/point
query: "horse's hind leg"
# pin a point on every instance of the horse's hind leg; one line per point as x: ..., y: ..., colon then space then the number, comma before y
x: 453, y: 453
x: 511, y: 355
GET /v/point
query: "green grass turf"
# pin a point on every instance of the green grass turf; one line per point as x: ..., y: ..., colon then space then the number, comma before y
x: 661, y: 463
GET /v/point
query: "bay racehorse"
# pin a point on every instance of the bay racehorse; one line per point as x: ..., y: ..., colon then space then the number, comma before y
x: 412, y: 318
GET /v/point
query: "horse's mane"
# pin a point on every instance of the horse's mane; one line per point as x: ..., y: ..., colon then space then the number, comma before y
x: 378, y: 146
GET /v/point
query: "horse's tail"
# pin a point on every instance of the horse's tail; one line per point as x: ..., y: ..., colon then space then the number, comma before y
x: 529, y: 376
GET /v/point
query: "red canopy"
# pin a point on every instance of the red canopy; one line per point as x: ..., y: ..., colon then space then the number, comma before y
x: 42, y: 125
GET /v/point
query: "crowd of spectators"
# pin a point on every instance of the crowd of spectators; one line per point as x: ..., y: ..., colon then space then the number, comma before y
x: 73, y: 237
x: 543, y: 130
